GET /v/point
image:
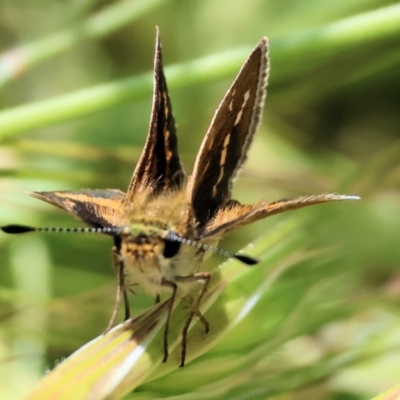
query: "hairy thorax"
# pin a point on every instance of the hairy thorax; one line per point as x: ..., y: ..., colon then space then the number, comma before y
x: 151, y: 258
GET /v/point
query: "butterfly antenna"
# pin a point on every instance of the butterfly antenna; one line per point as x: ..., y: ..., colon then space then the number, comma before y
x: 248, y: 260
x: 15, y: 229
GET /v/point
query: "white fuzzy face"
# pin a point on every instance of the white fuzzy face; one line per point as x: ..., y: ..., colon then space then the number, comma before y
x: 150, y: 259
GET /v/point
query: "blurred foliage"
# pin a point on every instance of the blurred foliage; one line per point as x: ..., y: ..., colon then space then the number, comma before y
x: 328, y: 329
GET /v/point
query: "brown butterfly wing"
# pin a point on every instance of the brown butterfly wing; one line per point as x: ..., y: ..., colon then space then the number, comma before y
x: 225, y: 146
x: 98, y: 208
x: 159, y: 166
x: 237, y: 215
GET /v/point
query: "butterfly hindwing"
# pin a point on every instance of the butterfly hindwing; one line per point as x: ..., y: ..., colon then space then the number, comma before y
x: 237, y: 215
x: 98, y: 208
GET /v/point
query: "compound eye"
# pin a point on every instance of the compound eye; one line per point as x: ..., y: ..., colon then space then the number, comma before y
x: 171, y: 248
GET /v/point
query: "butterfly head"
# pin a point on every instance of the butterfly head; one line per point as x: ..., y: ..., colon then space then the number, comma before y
x: 140, y: 241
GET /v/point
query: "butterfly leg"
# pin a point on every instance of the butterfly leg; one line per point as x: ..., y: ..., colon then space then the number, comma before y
x: 200, y: 276
x: 157, y: 299
x: 203, y: 320
x: 125, y: 294
x: 171, y: 302
x: 119, y: 268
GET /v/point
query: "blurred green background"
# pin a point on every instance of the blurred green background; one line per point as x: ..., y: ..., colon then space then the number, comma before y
x: 331, y: 124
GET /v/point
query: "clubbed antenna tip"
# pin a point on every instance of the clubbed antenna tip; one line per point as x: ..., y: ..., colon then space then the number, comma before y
x: 16, y: 229
x: 246, y: 259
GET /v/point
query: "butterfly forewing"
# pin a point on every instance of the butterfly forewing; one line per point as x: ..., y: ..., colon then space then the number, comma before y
x: 159, y: 166
x: 225, y: 146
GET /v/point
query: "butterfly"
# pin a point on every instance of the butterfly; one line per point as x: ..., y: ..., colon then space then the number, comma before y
x: 166, y: 224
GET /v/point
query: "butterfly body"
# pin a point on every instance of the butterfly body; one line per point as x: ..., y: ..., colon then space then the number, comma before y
x: 148, y: 256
